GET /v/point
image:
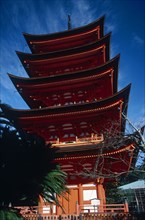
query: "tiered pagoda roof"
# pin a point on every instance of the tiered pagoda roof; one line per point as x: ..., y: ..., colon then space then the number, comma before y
x: 86, y: 85
x: 67, y: 61
x: 72, y: 94
x: 91, y: 114
x: 66, y: 39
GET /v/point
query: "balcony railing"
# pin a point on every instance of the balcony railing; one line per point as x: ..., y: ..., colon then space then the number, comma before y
x: 95, y: 216
x: 50, y: 210
x: 82, y: 140
x: 107, y: 208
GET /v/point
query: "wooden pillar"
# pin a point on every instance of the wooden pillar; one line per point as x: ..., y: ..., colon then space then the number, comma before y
x: 58, y: 208
x: 80, y: 195
x: 40, y: 205
x: 101, y: 194
x: 126, y: 209
x: 104, y: 196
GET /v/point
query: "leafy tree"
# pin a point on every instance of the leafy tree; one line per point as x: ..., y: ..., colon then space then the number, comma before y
x: 27, y: 168
x: 113, y: 194
x: 9, y: 214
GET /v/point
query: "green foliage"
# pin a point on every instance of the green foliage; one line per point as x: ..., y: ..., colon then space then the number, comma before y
x: 27, y: 168
x: 54, y: 182
x: 113, y: 194
x: 9, y: 214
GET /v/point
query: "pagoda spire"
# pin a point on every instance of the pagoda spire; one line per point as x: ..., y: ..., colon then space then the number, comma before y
x: 69, y: 22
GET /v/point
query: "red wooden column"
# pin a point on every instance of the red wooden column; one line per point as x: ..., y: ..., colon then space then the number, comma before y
x: 58, y: 208
x: 80, y: 196
x: 101, y: 193
x: 40, y: 205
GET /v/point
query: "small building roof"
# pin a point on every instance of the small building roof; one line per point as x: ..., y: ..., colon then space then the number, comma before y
x: 134, y: 185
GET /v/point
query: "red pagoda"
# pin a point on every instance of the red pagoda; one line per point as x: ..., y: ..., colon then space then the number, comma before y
x: 73, y: 97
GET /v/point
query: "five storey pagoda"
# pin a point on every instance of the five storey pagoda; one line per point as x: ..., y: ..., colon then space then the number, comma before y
x: 73, y: 97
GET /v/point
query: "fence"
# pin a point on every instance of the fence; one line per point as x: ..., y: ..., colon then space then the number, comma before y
x: 85, y: 212
x: 88, y: 216
x: 103, y: 209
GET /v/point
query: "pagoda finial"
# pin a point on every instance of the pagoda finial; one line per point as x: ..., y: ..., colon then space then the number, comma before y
x: 69, y: 22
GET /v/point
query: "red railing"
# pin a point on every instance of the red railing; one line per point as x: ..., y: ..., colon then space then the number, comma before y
x: 76, y: 140
x: 80, y: 209
x: 103, y: 209
x: 95, y: 216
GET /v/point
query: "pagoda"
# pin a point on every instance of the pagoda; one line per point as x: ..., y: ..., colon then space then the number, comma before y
x: 73, y: 97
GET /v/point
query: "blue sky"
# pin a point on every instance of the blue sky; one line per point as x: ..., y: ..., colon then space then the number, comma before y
x: 125, y: 18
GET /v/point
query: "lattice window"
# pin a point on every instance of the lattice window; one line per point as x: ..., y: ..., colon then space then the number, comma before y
x: 83, y: 124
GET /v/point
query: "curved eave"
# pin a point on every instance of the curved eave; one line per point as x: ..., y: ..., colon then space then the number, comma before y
x: 87, y: 148
x: 93, y: 151
x: 72, y: 109
x: 75, y: 31
x: 120, y: 165
x: 78, y: 74
x: 59, y: 54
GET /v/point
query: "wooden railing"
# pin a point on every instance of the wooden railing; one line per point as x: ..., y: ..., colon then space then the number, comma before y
x: 103, y: 209
x: 93, y: 139
x: 96, y: 216
x: 83, y: 212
